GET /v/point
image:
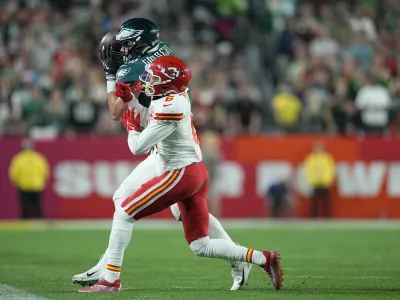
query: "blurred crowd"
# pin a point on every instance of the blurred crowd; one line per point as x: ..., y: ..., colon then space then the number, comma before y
x: 258, y: 66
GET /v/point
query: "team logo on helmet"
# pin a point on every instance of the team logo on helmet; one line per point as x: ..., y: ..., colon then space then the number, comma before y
x: 127, y: 33
x: 171, y: 72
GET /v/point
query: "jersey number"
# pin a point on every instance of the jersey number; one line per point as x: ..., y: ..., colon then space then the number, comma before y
x: 168, y: 100
x: 167, y: 103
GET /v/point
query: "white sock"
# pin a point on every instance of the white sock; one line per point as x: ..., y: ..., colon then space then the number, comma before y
x: 223, y: 249
x: 216, y: 231
x: 119, y: 239
x: 102, y: 264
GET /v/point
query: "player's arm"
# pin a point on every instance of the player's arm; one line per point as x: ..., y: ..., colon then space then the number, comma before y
x: 116, y: 104
x: 141, y: 143
x: 111, y: 65
x: 158, y: 129
x: 119, y: 100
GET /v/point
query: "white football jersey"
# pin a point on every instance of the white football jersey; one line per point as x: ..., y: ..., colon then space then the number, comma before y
x: 170, y: 129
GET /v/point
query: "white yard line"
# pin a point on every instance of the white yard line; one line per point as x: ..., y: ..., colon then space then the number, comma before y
x: 8, y: 292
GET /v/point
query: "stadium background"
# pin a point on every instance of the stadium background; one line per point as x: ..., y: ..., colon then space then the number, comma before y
x: 269, y: 77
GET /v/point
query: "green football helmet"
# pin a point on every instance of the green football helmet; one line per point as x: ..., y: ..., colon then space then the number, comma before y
x: 136, y: 36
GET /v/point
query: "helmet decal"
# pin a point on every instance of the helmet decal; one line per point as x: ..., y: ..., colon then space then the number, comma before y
x: 128, y: 33
x: 171, y: 72
x: 137, y: 36
x: 165, y: 75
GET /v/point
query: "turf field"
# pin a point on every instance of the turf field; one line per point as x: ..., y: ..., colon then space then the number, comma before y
x: 320, y: 262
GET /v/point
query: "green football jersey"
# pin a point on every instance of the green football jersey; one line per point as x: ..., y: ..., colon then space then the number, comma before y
x: 130, y: 71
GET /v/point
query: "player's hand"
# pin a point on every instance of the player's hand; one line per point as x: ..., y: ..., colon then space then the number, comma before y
x: 109, y: 60
x: 129, y: 120
x: 123, y: 91
x: 138, y: 86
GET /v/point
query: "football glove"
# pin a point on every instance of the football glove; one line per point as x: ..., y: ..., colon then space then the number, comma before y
x: 123, y: 91
x: 129, y: 120
x: 138, y: 86
x: 109, y: 60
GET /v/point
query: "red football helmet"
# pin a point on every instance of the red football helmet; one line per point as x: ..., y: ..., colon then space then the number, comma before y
x: 166, y: 75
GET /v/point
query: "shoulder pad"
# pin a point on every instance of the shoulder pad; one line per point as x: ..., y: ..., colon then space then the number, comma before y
x: 130, y: 72
x: 174, y: 107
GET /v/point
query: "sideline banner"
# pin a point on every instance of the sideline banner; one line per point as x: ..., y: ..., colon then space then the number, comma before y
x: 87, y: 171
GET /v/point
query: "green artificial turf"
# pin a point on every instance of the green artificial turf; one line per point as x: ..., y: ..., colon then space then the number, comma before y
x: 158, y: 264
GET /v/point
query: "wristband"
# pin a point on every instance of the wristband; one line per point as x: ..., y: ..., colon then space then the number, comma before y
x: 111, y: 86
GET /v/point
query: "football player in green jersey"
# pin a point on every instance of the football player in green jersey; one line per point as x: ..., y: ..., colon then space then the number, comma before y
x: 125, y: 52
x: 135, y: 45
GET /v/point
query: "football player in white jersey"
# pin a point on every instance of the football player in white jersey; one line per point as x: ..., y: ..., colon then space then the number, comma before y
x: 184, y: 180
x: 142, y: 46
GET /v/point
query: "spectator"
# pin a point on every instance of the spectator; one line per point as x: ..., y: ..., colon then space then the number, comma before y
x: 287, y: 109
x: 395, y: 107
x: 52, y: 45
x: 286, y: 43
x: 34, y: 108
x: 246, y: 115
x: 56, y: 109
x: 362, y: 23
x: 306, y: 22
x: 218, y: 119
x: 373, y: 102
x: 29, y: 172
x: 320, y: 173
x: 279, y: 197
x: 82, y: 113
x: 342, y: 117
x: 298, y: 65
x: 360, y: 49
x: 324, y: 47
x: 316, y: 97
x: 218, y: 89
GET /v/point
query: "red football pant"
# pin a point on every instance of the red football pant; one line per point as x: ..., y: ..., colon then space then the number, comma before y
x: 187, y: 186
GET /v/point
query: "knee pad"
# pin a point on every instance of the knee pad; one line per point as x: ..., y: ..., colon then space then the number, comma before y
x: 118, y: 196
x: 122, y: 193
x: 118, y: 202
x: 175, y: 211
x: 121, y: 215
x: 200, y: 246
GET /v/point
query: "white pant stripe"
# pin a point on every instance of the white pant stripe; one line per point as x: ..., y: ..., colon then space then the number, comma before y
x: 148, y: 191
x: 170, y: 187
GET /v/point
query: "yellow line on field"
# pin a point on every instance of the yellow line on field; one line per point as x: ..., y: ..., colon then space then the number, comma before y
x: 102, y: 224
x: 20, y: 225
